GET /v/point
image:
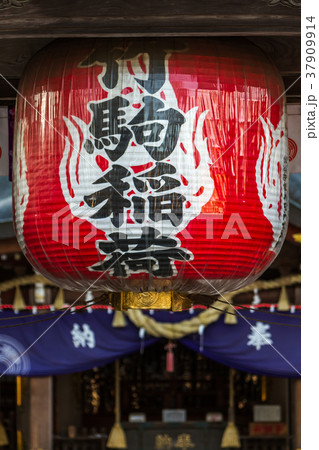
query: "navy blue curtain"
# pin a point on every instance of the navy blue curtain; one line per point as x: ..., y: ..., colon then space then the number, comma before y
x: 253, y: 345
x: 52, y: 343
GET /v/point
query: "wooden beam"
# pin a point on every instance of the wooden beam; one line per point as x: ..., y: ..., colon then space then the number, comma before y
x: 144, y: 18
x: 9, y: 246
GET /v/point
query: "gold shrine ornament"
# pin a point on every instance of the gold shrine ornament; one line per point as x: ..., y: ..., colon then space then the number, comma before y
x: 169, y: 300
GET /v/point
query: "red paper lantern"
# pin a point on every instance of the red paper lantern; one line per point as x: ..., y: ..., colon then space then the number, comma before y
x: 151, y: 164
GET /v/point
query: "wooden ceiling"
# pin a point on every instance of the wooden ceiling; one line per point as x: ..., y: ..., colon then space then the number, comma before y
x: 82, y: 18
x: 28, y: 25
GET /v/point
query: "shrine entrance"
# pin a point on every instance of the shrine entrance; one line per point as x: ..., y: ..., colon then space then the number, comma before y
x: 160, y: 409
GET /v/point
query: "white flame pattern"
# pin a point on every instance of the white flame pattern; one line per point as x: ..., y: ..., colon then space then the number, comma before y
x: 82, y: 170
x: 20, y: 185
x: 271, y: 175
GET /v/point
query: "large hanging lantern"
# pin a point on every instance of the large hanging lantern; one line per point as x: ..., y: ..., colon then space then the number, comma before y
x: 151, y: 165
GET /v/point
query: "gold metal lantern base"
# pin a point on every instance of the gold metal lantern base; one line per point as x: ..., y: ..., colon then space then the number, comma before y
x: 172, y: 301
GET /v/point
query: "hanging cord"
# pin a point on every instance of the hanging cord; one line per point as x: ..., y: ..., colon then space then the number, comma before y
x: 52, y: 314
x: 160, y: 327
x: 254, y: 318
x: 249, y: 308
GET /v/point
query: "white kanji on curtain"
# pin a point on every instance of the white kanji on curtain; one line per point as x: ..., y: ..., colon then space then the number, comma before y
x: 84, y: 337
x: 260, y: 335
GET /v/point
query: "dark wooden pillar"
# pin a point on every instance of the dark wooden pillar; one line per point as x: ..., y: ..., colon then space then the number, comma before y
x: 67, y: 404
x: 41, y: 412
x: 296, y: 397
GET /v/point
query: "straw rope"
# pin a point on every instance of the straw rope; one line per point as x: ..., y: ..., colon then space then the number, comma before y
x: 261, y: 284
x: 180, y: 329
x: 175, y: 330
x: 270, y: 284
x: 23, y: 281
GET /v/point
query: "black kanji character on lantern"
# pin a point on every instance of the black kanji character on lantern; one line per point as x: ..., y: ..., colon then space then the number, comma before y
x: 147, y: 128
x: 139, y: 209
x: 156, y: 179
x: 167, y: 207
x: 150, y: 237
x: 109, y: 54
x: 161, y: 207
x: 113, y: 194
x: 103, y: 53
x: 108, y: 127
x: 157, y: 262
x: 143, y: 256
x: 156, y: 65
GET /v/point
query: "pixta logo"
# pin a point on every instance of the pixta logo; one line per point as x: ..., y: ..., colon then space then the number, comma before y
x: 67, y: 229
